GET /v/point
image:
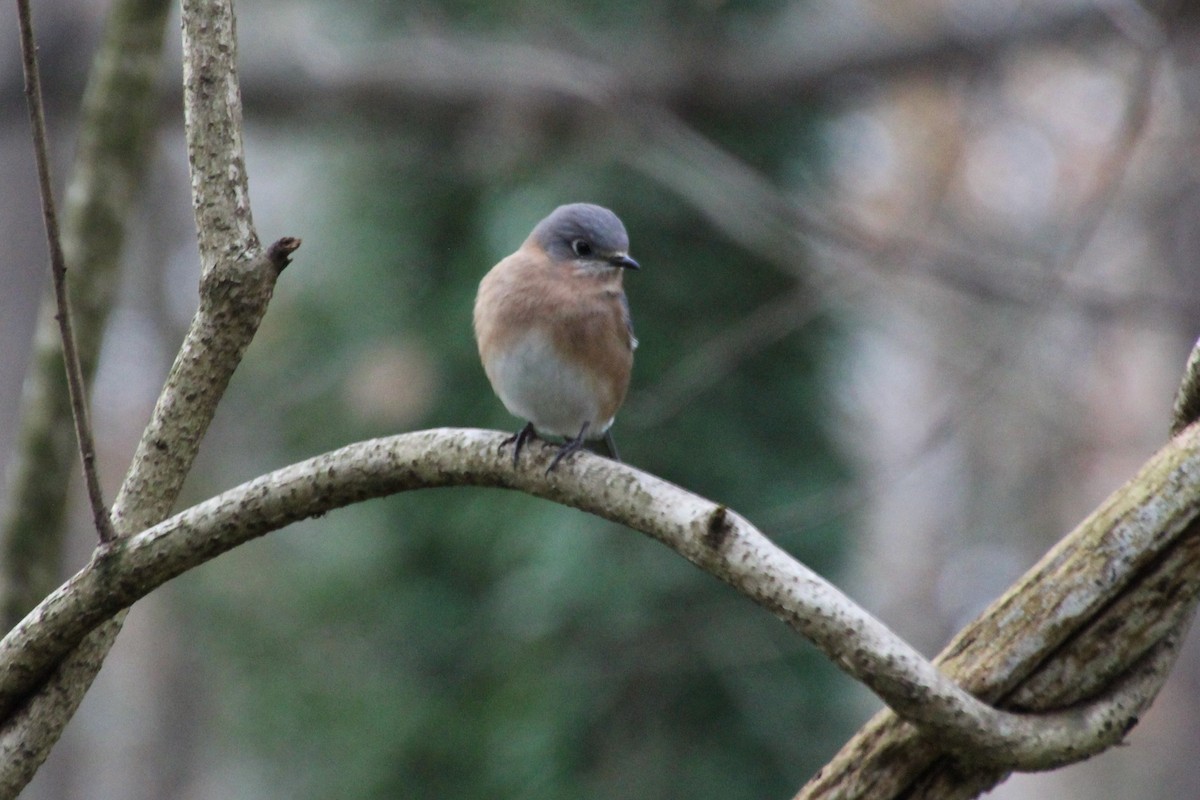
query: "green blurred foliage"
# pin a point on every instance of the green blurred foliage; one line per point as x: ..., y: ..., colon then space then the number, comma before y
x: 480, y: 643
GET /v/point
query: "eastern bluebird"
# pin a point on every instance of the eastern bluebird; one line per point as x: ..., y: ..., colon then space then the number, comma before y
x: 553, y: 328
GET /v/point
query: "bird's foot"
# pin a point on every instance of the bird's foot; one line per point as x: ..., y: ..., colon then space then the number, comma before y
x: 568, y: 448
x: 518, y: 441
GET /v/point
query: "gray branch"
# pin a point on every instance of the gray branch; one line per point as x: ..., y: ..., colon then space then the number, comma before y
x: 1135, y: 526
x: 117, y: 122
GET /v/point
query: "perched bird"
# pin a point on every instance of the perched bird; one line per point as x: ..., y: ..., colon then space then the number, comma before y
x: 553, y: 329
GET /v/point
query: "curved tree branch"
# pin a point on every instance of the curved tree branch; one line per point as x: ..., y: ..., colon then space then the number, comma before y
x: 1144, y: 620
x: 1084, y: 572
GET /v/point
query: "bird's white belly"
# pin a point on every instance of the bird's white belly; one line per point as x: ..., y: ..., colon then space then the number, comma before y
x: 535, y: 383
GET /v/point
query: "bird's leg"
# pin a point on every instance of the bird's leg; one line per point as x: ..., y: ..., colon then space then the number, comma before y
x: 611, y: 445
x: 518, y: 439
x: 568, y: 448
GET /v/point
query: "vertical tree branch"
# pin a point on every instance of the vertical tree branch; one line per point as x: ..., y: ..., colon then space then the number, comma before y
x: 237, y: 280
x: 58, y: 269
x: 114, y: 134
x: 117, y: 114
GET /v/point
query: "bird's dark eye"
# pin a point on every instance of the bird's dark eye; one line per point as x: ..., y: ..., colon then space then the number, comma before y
x: 581, y: 248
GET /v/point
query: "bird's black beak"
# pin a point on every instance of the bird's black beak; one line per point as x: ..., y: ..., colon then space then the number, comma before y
x: 624, y: 262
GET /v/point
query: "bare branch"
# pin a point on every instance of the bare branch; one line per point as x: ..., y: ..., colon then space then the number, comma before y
x: 1056, y: 660
x: 237, y: 276
x: 109, y: 161
x: 212, y: 108
x: 1099, y: 559
x: 757, y: 215
x: 230, y: 310
x: 58, y: 269
x: 33, y: 728
x: 236, y: 284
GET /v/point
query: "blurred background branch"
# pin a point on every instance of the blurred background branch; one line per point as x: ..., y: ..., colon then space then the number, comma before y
x: 801, y: 55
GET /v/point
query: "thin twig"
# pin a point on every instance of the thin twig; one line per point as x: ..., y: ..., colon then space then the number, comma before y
x: 58, y: 269
x: 713, y: 360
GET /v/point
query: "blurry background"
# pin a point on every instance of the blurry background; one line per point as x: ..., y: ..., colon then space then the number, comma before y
x: 918, y: 286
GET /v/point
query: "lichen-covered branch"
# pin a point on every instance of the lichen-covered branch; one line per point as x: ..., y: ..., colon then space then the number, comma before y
x: 212, y: 107
x: 1145, y: 621
x: 1027, y: 652
x: 1096, y: 562
x: 236, y: 280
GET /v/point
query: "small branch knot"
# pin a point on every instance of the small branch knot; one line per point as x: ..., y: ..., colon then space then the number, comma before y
x: 281, y: 251
x: 1187, y: 399
x: 718, y: 528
